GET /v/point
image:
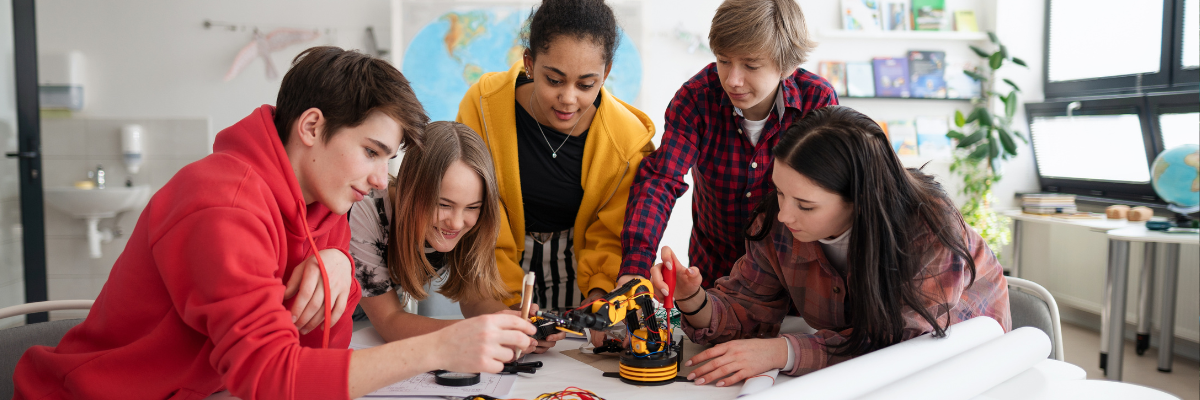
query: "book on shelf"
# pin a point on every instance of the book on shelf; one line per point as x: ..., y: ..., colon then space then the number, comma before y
x: 931, y: 137
x: 891, y: 77
x: 860, y: 79
x: 958, y: 84
x: 883, y: 126
x: 860, y: 15
x: 835, y: 73
x: 927, y: 74
x: 929, y: 15
x: 904, y: 137
x: 894, y: 15
x: 964, y: 21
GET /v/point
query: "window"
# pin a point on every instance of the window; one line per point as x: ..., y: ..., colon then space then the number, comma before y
x: 1084, y: 45
x: 1091, y: 147
x: 1122, y: 84
x: 1179, y: 129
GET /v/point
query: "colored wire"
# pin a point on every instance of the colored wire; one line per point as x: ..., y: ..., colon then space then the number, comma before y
x: 565, y: 394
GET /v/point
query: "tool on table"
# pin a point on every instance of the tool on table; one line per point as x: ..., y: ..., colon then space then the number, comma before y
x: 524, y: 368
x: 651, y: 358
x: 526, y: 303
x: 449, y: 378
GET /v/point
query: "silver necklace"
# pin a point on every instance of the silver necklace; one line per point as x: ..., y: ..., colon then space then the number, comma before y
x: 554, y: 151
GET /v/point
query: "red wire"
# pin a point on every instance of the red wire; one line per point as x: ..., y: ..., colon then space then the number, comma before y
x: 324, y: 277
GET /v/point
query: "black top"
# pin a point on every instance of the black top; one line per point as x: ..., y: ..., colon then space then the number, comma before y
x: 551, y: 186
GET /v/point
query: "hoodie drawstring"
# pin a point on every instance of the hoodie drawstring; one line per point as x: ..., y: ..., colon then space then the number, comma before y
x: 324, y: 276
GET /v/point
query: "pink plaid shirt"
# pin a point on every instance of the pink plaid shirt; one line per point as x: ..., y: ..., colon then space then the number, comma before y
x: 780, y: 272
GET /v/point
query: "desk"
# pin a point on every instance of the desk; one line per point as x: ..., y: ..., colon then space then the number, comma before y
x: 1146, y: 289
x: 1115, y: 291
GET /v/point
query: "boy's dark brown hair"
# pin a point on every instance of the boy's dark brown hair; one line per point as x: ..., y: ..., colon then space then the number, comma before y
x: 347, y: 86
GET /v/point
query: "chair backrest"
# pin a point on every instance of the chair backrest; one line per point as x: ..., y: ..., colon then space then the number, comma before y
x: 1031, y: 304
x: 15, y: 341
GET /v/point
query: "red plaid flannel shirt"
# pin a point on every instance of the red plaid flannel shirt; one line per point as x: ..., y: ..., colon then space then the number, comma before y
x: 703, y: 133
x: 779, y: 273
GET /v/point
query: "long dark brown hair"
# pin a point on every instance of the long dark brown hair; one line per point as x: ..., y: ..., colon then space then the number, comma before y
x: 414, y: 194
x: 894, y: 212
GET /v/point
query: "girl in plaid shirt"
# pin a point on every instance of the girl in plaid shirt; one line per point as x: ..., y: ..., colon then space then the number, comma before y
x: 869, y: 253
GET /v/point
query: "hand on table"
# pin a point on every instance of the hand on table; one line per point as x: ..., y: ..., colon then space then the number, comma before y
x: 305, y: 283
x: 732, y: 362
x: 483, y: 343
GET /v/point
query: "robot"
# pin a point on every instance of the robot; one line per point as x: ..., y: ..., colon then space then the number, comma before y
x: 650, y: 357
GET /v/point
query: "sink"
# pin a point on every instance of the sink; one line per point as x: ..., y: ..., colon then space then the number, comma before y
x: 94, y: 204
x: 98, y: 203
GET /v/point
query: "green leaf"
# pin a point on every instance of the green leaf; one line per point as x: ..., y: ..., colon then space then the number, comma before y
x: 982, y: 116
x: 993, y: 38
x: 1010, y: 105
x: 1011, y: 83
x: 956, y: 135
x: 1003, y: 51
x: 979, y: 51
x: 1019, y: 61
x: 959, y: 120
x: 993, y: 149
x: 978, y: 154
x: 974, y: 138
x: 1010, y: 146
x: 974, y: 75
x: 996, y: 60
x: 1019, y: 135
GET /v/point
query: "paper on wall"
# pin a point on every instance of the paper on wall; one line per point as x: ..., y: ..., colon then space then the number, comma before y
x: 856, y: 377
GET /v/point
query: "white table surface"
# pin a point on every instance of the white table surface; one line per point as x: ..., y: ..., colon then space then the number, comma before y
x: 1101, y: 224
x: 1141, y: 234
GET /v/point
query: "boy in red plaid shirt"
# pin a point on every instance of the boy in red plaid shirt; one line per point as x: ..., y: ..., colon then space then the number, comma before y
x: 722, y: 125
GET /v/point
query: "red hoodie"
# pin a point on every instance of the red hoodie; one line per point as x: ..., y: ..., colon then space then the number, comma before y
x: 195, y: 302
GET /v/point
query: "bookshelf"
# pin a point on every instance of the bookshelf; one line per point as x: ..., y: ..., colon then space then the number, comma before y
x: 905, y: 35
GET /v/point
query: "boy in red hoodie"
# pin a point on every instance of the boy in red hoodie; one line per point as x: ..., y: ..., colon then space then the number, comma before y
x: 196, y: 302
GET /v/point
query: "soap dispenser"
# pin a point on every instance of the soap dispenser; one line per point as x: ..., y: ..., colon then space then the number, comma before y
x: 131, y: 146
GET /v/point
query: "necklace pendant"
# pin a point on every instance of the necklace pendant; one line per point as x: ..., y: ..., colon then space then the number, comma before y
x: 553, y: 155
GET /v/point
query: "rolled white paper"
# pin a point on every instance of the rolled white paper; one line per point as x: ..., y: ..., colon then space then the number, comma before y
x: 974, y: 371
x: 759, y: 383
x: 861, y: 375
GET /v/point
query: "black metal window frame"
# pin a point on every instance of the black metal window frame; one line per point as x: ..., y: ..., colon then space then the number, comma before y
x: 1147, y: 107
x: 1170, y: 76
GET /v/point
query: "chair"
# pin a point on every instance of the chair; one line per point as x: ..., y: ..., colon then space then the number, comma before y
x: 1032, y: 305
x: 14, y: 341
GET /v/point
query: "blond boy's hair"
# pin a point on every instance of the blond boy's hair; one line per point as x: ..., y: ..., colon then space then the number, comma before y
x: 773, y: 27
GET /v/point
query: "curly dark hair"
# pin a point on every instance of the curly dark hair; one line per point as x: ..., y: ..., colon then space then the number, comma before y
x: 582, y: 19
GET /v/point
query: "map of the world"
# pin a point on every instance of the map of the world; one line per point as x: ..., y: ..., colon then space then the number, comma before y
x: 450, y: 53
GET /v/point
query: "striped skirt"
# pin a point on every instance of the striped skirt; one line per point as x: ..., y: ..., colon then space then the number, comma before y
x: 551, y: 258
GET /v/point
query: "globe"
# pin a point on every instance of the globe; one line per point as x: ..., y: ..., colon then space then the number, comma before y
x: 1175, y: 176
x: 451, y: 53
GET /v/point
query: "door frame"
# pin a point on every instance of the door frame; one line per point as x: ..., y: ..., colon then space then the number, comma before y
x: 29, y: 155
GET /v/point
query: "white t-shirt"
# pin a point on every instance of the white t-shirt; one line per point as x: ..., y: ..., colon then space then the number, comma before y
x: 753, y: 129
x: 836, y: 250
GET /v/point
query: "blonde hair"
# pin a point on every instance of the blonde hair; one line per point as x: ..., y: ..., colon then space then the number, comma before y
x: 775, y: 27
x: 471, y: 265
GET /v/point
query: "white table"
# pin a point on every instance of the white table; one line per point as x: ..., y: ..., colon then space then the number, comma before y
x: 1146, y: 288
x: 1117, y: 282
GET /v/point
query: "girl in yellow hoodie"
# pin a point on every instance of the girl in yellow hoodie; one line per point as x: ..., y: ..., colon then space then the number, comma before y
x: 565, y: 152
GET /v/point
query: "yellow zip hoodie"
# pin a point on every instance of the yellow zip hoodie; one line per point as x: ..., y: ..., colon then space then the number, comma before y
x: 617, y: 140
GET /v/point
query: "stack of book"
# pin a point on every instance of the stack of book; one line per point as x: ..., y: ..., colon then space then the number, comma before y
x: 1048, y: 203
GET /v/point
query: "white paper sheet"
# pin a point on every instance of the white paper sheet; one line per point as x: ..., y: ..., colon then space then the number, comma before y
x: 759, y: 383
x: 974, y: 371
x: 861, y: 375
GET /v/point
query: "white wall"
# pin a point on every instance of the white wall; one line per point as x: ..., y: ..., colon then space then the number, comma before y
x: 155, y: 59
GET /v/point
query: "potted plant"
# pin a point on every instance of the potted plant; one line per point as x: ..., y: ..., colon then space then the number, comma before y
x: 984, y: 140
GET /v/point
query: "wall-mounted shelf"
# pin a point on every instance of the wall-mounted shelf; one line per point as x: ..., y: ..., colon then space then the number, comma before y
x: 905, y: 35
